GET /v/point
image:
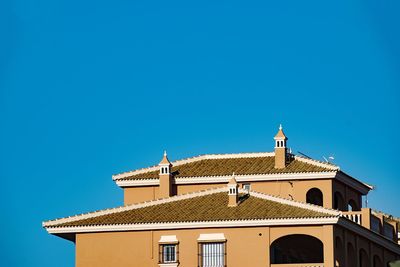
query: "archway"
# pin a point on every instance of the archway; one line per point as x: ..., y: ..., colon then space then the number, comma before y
x: 314, y: 196
x: 351, y: 256
x: 377, y: 261
x: 338, y: 201
x: 339, y: 253
x: 297, y: 249
x: 363, y: 258
x: 352, y: 205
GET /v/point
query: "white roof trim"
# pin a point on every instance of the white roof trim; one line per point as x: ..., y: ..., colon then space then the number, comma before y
x: 211, y: 237
x: 187, y: 196
x: 294, y: 203
x: 239, y: 178
x: 191, y: 225
x: 317, y: 163
x: 168, y: 239
x: 194, y: 159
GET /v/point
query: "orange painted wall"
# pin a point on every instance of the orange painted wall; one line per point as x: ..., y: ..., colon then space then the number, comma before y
x: 245, y: 246
x: 296, y: 190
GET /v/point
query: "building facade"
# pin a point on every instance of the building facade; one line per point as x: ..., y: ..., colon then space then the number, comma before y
x: 248, y: 209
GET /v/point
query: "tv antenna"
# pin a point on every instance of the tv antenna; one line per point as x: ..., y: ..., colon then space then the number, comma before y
x: 303, y: 155
x: 329, y: 159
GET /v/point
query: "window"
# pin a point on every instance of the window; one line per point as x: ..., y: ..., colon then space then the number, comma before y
x: 247, y: 187
x: 168, y: 253
x: 314, y: 196
x: 212, y: 254
x: 388, y: 230
x: 375, y: 224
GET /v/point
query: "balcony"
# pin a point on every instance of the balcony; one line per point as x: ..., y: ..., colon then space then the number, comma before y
x: 378, y: 223
x: 355, y: 216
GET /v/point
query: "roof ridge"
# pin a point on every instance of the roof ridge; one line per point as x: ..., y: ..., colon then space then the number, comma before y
x: 317, y: 163
x: 144, y: 204
x: 294, y: 203
x: 194, y: 159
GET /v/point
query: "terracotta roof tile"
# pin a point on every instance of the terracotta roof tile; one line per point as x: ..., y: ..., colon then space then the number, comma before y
x: 226, y: 166
x: 211, y: 207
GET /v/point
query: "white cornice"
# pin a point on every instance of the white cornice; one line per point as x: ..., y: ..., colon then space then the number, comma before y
x: 191, y: 225
x: 212, y: 237
x: 317, y: 163
x: 137, y: 182
x: 383, y: 241
x: 298, y: 204
x: 194, y: 159
x: 239, y: 178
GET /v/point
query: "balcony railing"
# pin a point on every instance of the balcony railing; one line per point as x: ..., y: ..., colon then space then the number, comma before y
x: 355, y: 216
x: 298, y: 265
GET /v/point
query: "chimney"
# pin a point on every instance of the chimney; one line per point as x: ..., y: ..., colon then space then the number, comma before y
x: 165, y: 177
x: 233, y: 192
x: 280, y: 149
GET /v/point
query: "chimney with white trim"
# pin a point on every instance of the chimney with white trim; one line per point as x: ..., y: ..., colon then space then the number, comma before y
x: 165, y: 177
x: 281, y: 155
x: 233, y: 192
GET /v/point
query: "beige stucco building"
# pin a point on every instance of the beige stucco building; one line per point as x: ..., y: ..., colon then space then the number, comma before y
x: 249, y: 209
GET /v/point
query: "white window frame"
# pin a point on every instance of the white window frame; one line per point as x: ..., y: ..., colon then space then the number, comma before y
x: 164, y: 242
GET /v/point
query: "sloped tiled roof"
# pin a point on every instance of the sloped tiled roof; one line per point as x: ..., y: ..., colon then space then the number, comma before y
x: 221, y: 166
x: 212, y: 206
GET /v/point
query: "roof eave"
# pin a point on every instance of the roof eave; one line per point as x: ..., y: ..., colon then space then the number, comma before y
x: 225, y: 178
x: 363, y: 188
x: 191, y: 225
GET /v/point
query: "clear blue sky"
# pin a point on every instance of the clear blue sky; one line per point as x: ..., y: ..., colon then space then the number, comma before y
x: 93, y: 88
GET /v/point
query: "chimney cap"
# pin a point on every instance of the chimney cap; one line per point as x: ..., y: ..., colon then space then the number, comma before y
x: 280, y: 134
x: 165, y: 159
x: 232, y: 181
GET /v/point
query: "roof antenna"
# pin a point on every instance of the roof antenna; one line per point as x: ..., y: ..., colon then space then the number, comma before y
x: 329, y: 159
x: 303, y: 155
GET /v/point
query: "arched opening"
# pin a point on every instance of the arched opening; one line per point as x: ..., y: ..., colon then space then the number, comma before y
x: 377, y: 261
x: 338, y: 201
x: 351, y: 256
x: 297, y: 249
x: 339, y: 253
x: 363, y: 259
x: 352, y: 206
x: 314, y: 196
